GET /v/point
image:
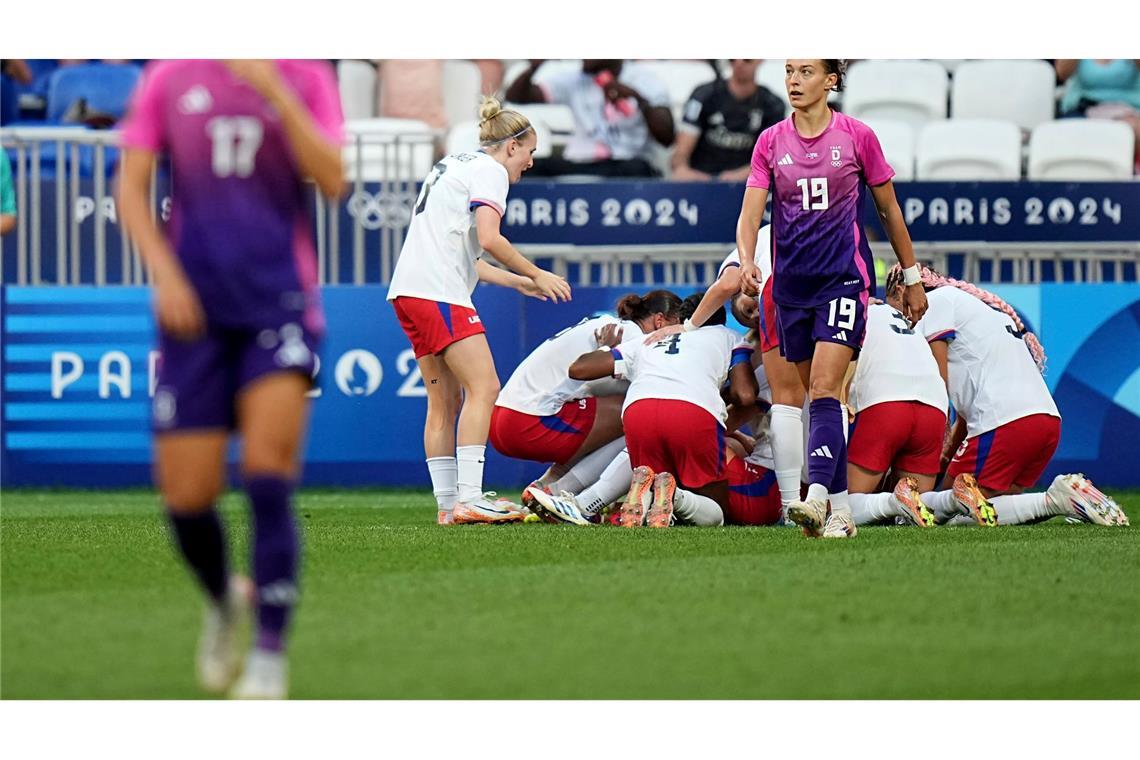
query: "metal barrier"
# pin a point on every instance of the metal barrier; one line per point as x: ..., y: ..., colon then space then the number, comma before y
x: 384, y: 170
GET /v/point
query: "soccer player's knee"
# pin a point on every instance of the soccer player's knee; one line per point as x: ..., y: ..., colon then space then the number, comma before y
x: 823, y: 388
x: 269, y: 457
x: 191, y: 495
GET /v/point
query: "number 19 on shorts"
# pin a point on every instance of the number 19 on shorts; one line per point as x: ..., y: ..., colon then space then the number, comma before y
x: 846, y: 313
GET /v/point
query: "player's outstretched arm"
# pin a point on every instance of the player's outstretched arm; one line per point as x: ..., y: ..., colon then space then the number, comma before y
x: 592, y: 366
x: 747, y: 230
x: 742, y: 386
x: 492, y: 241
x: 914, y: 297
x: 493, y: 275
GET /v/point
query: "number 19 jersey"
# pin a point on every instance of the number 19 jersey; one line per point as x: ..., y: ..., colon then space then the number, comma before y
x: 819, y: 250
x: 437, y: 261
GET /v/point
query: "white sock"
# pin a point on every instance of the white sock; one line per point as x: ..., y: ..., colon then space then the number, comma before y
x: 840, y: 504
x: 470, y: 472
x: 818, y: 492
x: 589, y: 468
x: 787, y: 450
x: 695, y: 509
x: 942, y: 504
x: 553, y: 473
x: 1024, y: 508
x: 444, y: 471
x: 872, y: 508
x: 614, y: 482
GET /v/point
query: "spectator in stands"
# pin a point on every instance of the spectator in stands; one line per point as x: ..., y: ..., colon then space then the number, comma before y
x: 1102, y: 89
x: 721, y: 122
x: 618, y: 107
x: 413, y: 89
x: 7, y: 197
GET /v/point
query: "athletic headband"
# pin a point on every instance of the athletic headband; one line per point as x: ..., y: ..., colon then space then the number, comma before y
x: 521, y: 132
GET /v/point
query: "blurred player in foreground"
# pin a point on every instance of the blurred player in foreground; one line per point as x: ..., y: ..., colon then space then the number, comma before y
x: 239, y: 320
x: 457, y: 218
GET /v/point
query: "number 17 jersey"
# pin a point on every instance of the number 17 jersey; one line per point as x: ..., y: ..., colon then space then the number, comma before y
x: 817, y: 184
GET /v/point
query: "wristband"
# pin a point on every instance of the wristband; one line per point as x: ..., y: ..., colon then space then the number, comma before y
x: 688, y: 326
x: 911, y: 276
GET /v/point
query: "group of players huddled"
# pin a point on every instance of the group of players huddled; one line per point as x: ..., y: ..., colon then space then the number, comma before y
x: 693, y: 422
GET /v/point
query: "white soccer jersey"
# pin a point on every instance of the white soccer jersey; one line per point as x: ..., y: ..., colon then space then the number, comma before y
x: 895, y: 364
x: 762, y: 424
x: 690, y: 366
x: 540, y: 384
x: 763, y: 255
x: 438, y: 259
x: 993, y: 379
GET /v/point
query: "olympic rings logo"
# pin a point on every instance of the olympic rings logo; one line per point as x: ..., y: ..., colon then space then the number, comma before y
x: 381, y: 210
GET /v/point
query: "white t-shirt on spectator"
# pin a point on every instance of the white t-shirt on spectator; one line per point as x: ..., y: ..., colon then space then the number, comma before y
x: 601, y: 132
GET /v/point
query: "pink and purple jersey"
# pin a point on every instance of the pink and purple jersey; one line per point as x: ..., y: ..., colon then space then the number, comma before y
x: 819, y: 250
x: 240, y: 221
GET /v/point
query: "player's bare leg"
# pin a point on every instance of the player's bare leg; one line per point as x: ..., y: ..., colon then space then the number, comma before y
x: 444, y: 398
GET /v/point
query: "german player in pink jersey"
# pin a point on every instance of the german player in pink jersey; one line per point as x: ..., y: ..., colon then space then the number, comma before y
x: 816, y: 164
x: 239, y: 316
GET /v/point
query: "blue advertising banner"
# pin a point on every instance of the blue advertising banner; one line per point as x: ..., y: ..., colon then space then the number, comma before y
x: 78, y: 372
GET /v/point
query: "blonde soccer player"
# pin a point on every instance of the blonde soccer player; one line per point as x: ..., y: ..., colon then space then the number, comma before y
x: 457, y: 218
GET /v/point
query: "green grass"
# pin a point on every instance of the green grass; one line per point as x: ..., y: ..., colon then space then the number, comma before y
x: 95, y: 605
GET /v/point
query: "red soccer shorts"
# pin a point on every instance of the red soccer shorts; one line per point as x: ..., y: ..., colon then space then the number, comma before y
x: 1015, y: 453
x: 555, y: 438
x: 903, y: 435
x: 432, y: 326
x: 676, y: 437
x: 753, y: 495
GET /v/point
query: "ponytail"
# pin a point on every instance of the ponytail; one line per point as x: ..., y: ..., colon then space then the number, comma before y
x: 635, y: 308
x: 497, y: 126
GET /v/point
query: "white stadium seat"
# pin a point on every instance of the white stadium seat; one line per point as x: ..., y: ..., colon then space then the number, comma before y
x: 969, y: 149
x: 910, y: 91
x: 1018, y: 91
x: 1082, y: 150
x: 552, y: 66
x: 357, y: 83
x: 465, y: 137
x: 897, y: 139
x: 390, y: 149
x: 680, y: 78
x: 462, y: 85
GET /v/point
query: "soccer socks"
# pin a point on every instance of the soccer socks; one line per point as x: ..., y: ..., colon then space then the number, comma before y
x: 787, y: 450
x: 276, y: 551
x: 589, y: 468
x: 827, y: 462
x: 695, y: 509
x: 1024, y: 508
x: 942, y: 504
x: 871, y: 508
x: 203, y: 545
x: 444, y: 476
x: 611, y: 486
x: 470, y: 472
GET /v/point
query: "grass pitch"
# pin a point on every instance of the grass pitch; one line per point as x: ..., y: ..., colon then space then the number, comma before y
x: 94, y: 605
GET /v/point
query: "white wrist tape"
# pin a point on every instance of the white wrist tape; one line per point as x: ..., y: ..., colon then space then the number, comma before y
x: 911, y: 276
x: 688, y: 325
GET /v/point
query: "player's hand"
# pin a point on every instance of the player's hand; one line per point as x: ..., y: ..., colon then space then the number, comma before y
x: 260, y: 74
x: 609, y: 336
x: 663, y: 333
x: 527, y: 287
x: 552, y: 286
x: 750, y: 279
x: 914, y: 303
x: 179, y: 311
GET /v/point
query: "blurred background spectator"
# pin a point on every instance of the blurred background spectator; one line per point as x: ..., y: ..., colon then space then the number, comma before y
x: 7, y: 197
x: 618, y: 107
x: 720, y: 124
x: 1102, y: 89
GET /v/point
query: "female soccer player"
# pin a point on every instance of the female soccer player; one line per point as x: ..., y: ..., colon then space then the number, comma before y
x: 456, y: 218
x: 239, y: 319
x: 815, y: 164
x: 1008, y: 424
x: 674, y: 419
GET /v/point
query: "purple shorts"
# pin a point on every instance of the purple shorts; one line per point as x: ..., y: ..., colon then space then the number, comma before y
x: 198, y: 381
x: 841, y: 320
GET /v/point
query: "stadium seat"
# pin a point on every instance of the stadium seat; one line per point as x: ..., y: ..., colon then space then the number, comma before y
x: 1082, y: 149
x: 462, y: 85
x: 897, y: 139
x: 950, y: 64
x: 390, y: 149
x: 680, y: 77
x: 465, y: 137
x: 969, y: 149
x: 1019, y: 91
x: 106, y: 87
x: 910, y: 91
x: 357, y: 82
x: 547, y: 68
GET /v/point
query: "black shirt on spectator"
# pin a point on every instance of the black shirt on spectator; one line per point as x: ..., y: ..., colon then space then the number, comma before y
x: 728, y: 127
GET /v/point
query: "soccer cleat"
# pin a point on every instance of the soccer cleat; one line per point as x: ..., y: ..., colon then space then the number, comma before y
x: 485, y: 511
x: 218, y: 661
x: 1077, y: 495
x: 809, y: 515
x: 839, y: 526
x: 562, y: 508
x: 266, y: 676
x: 907, y: 501
x: 973, y: 502
x: 528, y: 500
x: 660, y: 514
x: 445, y: 518
x: 638, y: 500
